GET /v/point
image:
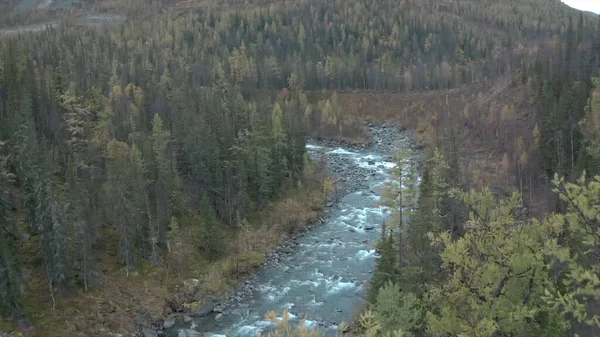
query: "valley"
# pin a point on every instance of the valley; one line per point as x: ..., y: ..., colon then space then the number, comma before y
x: 322, y: 274
x: 225, y: 168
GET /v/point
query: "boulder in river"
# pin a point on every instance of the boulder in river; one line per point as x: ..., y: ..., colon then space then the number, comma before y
x: 204, y: 309
x: 169, y: 322
x: 147, y: 332
x: 189, y: 333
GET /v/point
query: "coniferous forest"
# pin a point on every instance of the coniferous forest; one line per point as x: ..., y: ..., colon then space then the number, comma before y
x: 170, y: 145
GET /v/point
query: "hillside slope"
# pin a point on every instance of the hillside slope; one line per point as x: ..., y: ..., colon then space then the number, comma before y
x: 475, y: 113
x: 138, y: 156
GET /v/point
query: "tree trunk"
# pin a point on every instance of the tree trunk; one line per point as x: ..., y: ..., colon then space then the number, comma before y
x: 50, y: 286
x: 572, y: 156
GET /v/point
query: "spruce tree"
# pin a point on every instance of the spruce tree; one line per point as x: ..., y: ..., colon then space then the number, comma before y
x: 400, y: 198
x: 212, y: 239
x: 386, y: 266
x: 279, y: 162
x: 126, y: 186
x: 164, y: 184
x: 81, y: 186
x: 11, y: 299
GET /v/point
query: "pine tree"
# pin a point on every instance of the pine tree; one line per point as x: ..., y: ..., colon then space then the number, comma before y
x: 165, y: 182
x: 423, y: 261
x: 175, y: 243
x: 80, y: 182
x: 386, y: 266
x: 260, y: 161
x: 400, y: 197
x: 212, y: 233
x: 127, y: 188
x: 279, y: 162
x: 591, y: 132
x: 45, y: 210
x: 11, y: 299
x: 53, y: 239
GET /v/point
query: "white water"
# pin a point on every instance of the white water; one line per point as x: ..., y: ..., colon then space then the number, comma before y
x: 327, y: 276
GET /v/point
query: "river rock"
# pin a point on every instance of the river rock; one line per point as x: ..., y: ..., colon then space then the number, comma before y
x: 204, y: 309
x: 189, y: 333
x: 146, y: 332
x: 356, y: 179
x: 169, y: 322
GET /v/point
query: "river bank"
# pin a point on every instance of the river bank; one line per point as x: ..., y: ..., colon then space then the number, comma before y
x: 323, y: 271
x: 344, y: 231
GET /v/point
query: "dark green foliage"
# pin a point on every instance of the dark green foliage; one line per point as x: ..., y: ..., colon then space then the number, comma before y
x: 563, y: 83
x: 386, y: 267
x: 126, y: 187
x: 130, y: 126
x: 11, y: 301
x: 397, y: 310
x: 212, y: 241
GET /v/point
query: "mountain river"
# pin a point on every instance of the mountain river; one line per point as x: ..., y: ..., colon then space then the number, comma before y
x: 325, y: 277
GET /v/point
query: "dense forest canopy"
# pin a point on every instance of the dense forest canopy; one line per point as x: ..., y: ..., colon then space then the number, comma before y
x: 202, y: 110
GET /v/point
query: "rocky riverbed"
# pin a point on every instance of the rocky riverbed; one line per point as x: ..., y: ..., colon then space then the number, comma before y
x: 322, y: 272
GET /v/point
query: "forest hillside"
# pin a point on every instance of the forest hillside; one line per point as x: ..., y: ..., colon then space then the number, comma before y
x: 153, y: 153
